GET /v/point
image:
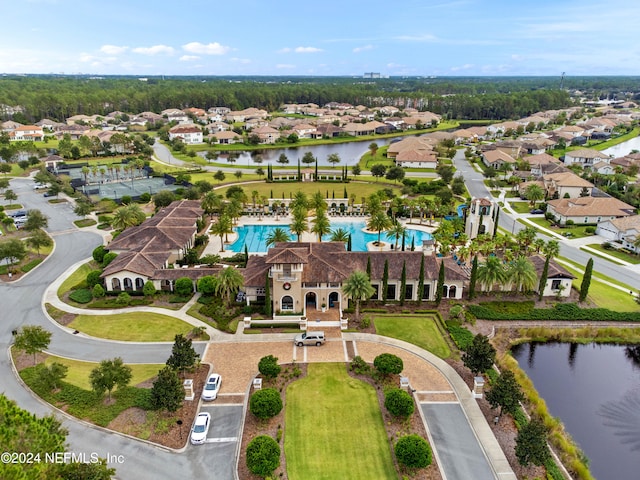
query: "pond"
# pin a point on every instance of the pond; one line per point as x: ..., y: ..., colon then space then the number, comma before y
x: 623, y: 148
x: 594, y: 390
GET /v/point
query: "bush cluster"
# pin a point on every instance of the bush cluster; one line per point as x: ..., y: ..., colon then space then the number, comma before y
x: 81, y: 295
x: 265, y: 403
x: 413, y: 451
x: 398, y: 402
x: 460, y: 335
x: 263, y: 455
x: 561, y: 311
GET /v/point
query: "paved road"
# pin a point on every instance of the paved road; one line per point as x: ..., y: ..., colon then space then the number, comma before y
x: 474, y: 180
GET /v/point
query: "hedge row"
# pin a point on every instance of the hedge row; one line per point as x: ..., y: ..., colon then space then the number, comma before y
x: 561, y: 311
x: 460, y: 335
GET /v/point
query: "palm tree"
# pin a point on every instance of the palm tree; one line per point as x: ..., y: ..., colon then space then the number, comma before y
x: 491, y: 272
x: 526, y: 236
x: 320, y: 224
x: 318, y: 202
x: 379, y: 222
x: 538, y: 244
x: 522, y: 274
x: 534, y: 193
x: 358, y: 287
x: 299, y: 201
x: 396, y: 232
x: 128, y: 216
x: 221, y: 228
x: 340, y: 235
x: 276, y: 235
x: 230, y: 280
x: 299, y: 224
x: 551, y: 249
x: 211, y: 203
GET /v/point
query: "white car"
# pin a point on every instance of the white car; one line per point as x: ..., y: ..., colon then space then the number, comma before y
x: 200, y: 428
x: 212, y: 387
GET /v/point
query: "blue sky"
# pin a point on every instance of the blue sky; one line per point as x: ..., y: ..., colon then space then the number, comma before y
x: 330, y: 37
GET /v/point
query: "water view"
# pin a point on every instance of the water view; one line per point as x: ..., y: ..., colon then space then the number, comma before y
x: 255, y: 236
x: 595, y: 390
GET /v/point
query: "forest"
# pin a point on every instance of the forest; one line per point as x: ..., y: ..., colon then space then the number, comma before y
x: 58, y: 97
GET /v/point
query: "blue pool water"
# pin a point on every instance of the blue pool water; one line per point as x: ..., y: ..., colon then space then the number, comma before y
x: 255, y: 236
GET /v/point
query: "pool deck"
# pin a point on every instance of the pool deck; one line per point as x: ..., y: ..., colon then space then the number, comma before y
x: 213, y: 247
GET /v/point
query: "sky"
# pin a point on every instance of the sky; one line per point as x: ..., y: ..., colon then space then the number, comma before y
x: 326, y: 38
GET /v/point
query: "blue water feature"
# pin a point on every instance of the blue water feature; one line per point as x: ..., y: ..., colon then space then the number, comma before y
x: 255, y: 236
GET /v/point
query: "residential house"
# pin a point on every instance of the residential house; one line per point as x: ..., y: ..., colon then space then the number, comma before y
x: 422, y: 158
x: 497, y: 158
x: 29, y: 133
x: 566, y: 185
x: 266, y: 134
x: 625, y: 230
x: 410, y: 143
x: 559, y: 279
x: 538, y: 162
x: 226, y: 138
x: 189, y: 134
x: 175, y: 115
x: 585, y: 157
x: 588, y: 210
x: 304, y: 130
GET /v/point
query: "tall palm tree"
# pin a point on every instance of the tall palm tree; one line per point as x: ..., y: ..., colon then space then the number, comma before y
x: 320, y: 224
x: 340, y: 235
x: 534, y: 193
x: 317, y: 201
x: 299, y: 201
x: 230, y: 280
x: 222, y: 227
x: 491, y: 272
x: 127, y: 216
x: 299, y: 224
x: 379, y: 222
x: 551, y: 249
x: 358, y: 287
x: 276, y: 235
x: 396, y: 232
x: 522, y: 274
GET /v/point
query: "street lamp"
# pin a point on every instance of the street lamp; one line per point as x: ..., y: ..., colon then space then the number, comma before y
x: 179, y: 423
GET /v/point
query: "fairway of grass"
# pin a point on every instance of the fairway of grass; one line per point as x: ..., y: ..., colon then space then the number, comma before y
x: 420, y: 330
x: 131, y: 327
x: 334, y: 428
x: 78, y: 373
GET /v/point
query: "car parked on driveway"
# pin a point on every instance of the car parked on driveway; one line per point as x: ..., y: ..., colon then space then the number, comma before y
x: 200, y: 428
x: 536, y: 211
x: 212, y: 387
x: 309, y: 338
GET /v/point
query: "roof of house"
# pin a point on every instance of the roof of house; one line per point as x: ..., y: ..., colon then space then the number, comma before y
x: 624, y: 224
x: 591, y: 206
x: 417, y: 156
x: 541, y: 159
x: 586, y: 153
x: 555, y: 270
x: 567, y: 179
x: 493, y: 156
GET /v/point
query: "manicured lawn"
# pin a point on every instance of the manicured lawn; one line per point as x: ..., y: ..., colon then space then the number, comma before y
x: 334, y: 428
x: 131, y: 327
x: 571, y: 231
x: 74, y: 279
x: 520, y: 207
x: 78, y: 373
x: 614, y: 252
x: 309, y: 188
x: 421, y: 330
x: 606, y: 296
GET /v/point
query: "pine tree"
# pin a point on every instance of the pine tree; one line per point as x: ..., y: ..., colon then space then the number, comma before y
x: 385, y: 280
x: 421, y: 280
x: 403, y: 282
x: 543, y: 278
x: 586, y: 281
x: 369, y: 267
x: 349, y: 243
x: 167, y: 391
x: 413, y: 244
x: 403, y: 240
x: 495, y: 224
x: 473, y: 278
x: 440, y: 286
x: 183, y: 355
x: 299, y: 173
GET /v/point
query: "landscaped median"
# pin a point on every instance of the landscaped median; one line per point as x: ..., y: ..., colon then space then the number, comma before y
x: 128, y: 327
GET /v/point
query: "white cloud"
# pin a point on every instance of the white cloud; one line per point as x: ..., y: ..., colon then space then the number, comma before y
x: 466, y: 66
x: 244, y: 61
x: 362, y: 49
x: 113, y: 49
x: 189, y: 58
x: 284, y: 50
x: 307, y: 50
x: 283, y: 66
x: 208, y: 49
x: 85, y: 57
x: 154, y: 50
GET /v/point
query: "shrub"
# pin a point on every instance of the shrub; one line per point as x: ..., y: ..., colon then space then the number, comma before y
x: 82, y: 295
x: 99, y: 253
x: 590, y: 230
x: 149, y: 289
x: 98, y: 291
x: 265, y: 403
x: 387, y: 364
x: 263, y: 455
x: 268, y: 366
x: 108, y: 258
x: 93, y: 278
x: 413, y: 451
x: 123, y: 299
x: 359, y: 366
x: 460, y: 335
x: 398, y: 402
x: 184, y: 286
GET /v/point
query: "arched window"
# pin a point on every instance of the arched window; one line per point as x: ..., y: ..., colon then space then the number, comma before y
x: 445, y: 291
x: 128, y: 284
x: 452, y: 291
x: 286, y: 303
x: 115, y: 284
x: 139, y: 283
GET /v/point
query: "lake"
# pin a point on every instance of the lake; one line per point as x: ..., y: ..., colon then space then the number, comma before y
x: 595, y: 391
x: 623, y: 148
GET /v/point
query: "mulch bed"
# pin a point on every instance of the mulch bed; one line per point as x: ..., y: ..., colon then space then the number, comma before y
x: 395, y: 428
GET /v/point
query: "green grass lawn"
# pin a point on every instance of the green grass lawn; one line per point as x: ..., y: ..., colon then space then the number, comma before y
x: 520, y: 207
x: 131, y: 327
x: 420, y: 330
x: 614, y: 252
x: 78, y: 373
x: 74, y: 279
x: 574, y: 231
x: 334, y: 428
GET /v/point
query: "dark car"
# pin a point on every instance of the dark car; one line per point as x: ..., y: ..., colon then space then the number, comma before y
x: 536, y: 211
x: 49, y: 194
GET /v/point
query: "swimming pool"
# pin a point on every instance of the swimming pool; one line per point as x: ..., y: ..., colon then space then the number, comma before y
x: 255, y: 236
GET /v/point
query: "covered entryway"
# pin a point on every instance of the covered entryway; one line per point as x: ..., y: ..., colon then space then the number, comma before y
x: 311, y: 300
x: 334, y: 300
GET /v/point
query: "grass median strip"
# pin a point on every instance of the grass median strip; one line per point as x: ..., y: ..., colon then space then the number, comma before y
x: 334, y: 428
x: 421, y: 330
x: 131, y: 327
